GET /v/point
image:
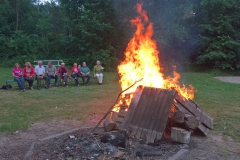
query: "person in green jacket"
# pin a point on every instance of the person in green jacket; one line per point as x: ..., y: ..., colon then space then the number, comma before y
x: 97, y: 72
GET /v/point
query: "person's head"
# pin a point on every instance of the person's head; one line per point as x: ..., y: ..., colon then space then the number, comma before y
x: 75, y: 65
x: 98, y: 63
x: 84, y: 64
x: 16, y: 65
x: 40, y: 63
x: 63, y: 65
x: 28, y: 64
x: 79, y: 66
x: 50, y: 63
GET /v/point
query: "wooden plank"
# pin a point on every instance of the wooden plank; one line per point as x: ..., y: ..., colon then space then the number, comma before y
x: 142, y: 100
x: 132, y: 107
x: 140, y: 108
x: 148, y: 109
x: 161, y: 113
x: 181, y: 108
x: 120, y: 119
x: 122, y: 113
x: 158, y: 111
x: 167, y: 104
x: 203, y: 129
x: 153, y: 136
x: 158, y: 103
x: 132, y: 130
x: 153, y: 115
x: 197, y: 112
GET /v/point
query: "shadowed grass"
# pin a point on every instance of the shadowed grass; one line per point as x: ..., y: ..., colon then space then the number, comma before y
x: 219, y: 100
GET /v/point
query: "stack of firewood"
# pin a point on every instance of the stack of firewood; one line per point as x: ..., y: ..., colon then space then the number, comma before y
x: 189, y: 115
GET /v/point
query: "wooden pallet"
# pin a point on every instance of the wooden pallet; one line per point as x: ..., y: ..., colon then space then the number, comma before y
x: 148, y: 113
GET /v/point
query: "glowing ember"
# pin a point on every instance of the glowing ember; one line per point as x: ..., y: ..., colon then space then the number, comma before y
x: 142, y: 61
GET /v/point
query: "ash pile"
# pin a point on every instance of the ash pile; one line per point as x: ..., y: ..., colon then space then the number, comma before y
x: 114, y: 145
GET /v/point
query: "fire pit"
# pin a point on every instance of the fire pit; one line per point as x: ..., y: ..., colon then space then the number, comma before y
x: 154, y: 104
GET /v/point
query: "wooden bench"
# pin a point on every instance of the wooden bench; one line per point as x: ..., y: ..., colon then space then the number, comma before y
x: 12, y: 81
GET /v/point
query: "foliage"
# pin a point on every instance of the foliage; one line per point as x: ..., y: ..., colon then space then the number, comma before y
x: 202, y: 32
x: 218, y: 27
x: 90, y: 30
x: 74, y: 31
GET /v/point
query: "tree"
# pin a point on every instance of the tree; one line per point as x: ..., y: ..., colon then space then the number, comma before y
x: 90, y: 30
x: 218, y: 23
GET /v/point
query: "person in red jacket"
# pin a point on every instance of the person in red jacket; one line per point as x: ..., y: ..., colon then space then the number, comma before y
x: 63, y: 73
x: 28, y: 74
x: 75, y: 73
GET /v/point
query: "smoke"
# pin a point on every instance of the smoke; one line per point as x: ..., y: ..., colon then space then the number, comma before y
x: 176, y: 39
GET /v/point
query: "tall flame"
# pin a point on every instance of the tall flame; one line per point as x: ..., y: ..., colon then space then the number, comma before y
x: 142, y: 61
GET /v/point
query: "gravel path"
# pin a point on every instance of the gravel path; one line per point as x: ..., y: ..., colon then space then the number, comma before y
x: 229, y: 79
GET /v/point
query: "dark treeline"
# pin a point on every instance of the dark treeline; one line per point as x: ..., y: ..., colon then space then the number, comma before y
x: 201, y: 33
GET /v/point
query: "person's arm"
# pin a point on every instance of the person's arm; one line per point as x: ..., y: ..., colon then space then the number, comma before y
x: 25, y: 72
x: 88, y: 71
x: 35, y: 70
x: 43, y: 72
x: 47, y: 69
x: 59, y: 70
x: 82, y: 72
x: 14, y: 75
x: 55, y: 70
x: 66, y: 70
x: 32, y: 72
x: 73, y: 70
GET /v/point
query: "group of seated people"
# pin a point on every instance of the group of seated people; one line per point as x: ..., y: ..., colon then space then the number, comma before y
x: 51, y: 72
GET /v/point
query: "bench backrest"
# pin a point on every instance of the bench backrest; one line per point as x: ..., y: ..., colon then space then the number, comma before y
x: 56, y: 63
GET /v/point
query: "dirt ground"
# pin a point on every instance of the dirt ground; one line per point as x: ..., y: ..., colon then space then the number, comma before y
x: 15, y: 146
x: 229, y: 79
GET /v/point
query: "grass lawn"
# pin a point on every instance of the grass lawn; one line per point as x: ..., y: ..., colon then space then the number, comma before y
x: 19, y: 109
x: 218, y: 99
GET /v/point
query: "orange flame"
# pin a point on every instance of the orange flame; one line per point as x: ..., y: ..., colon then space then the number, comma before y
x: 142, y: 61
